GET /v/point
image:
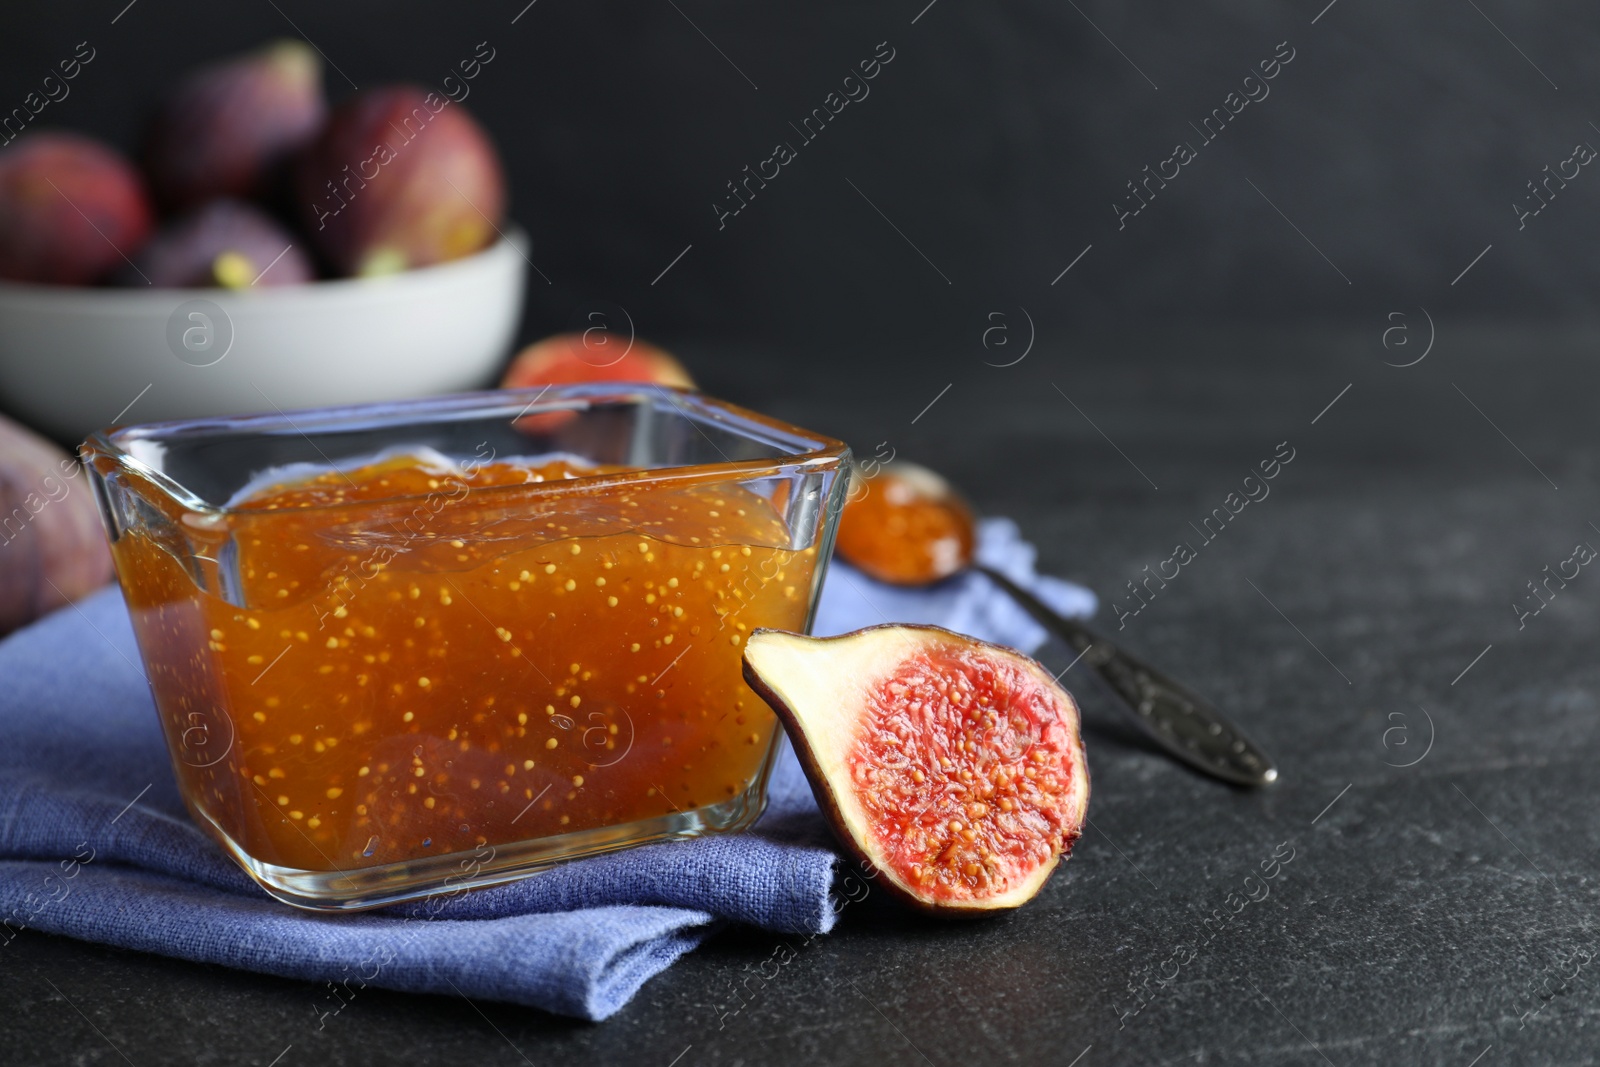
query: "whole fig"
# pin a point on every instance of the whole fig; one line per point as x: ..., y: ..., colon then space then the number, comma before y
x: 225, y: 243
x: 594, y: 355
x: 229, y: 129
x: 52, y: 548
x: 400, y: 178
x: 71, y: 208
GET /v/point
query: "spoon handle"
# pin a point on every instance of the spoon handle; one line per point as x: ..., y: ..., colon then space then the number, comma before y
x: 1175, y: 717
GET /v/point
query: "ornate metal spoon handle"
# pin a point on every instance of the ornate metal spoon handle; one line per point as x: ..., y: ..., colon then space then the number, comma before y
x: 1174, y: 716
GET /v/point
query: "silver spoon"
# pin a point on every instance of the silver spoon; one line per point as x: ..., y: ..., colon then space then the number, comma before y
x: 907, y: 526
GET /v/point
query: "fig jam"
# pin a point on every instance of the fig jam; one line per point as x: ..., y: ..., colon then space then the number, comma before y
x: 479, y: 656
x: 895, y: 530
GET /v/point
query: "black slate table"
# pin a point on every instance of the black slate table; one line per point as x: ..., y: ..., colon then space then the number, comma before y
x: 1416, y: 889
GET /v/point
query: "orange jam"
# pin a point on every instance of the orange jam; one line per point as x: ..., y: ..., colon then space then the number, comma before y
x: 480, y: 654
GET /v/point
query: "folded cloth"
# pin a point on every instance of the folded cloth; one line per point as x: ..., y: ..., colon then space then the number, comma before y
x: 96, y: 844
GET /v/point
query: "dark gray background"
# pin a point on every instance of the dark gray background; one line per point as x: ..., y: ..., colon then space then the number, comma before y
x: 1428, y: 907
x: 997, y: 142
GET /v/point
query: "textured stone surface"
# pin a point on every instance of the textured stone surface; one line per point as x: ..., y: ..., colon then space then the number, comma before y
x: 1425, y: 906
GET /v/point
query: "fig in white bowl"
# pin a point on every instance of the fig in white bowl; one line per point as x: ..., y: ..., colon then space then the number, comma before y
x: 73, y: 360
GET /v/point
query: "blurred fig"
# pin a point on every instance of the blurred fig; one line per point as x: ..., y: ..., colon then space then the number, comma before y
x: 230, y: 129
x: 70, y: 209
x: 400, y: 178
x: 225, y: 243
x: 593, y: 356
x: 52, y: 548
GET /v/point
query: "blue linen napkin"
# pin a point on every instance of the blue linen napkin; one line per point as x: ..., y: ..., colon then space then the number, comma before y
x: 96, y: 844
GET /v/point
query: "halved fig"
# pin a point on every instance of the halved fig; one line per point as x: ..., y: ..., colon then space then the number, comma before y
x: 950, y: 766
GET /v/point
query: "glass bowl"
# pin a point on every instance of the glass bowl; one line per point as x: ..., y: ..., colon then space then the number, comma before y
x: 407, y: 648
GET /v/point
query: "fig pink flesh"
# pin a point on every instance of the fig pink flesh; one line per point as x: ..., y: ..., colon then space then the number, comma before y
x: 964, y: 765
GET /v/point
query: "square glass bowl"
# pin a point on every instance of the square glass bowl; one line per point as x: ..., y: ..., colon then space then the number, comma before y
x: 411, y: 648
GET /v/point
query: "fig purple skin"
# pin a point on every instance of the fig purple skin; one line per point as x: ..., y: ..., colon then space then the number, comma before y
x: 52, y: 548
x: 229, y: 130
x: 70, y: 209
x: 225, y: 243
x: 400, y: 178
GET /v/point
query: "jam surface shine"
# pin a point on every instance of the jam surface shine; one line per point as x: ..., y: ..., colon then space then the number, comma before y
x: 433, y: 657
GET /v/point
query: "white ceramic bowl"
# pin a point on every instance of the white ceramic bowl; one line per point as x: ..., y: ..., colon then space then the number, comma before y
x: 73, y: 360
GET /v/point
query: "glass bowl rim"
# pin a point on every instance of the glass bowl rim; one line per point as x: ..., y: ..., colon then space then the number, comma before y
x: 808, y: 450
